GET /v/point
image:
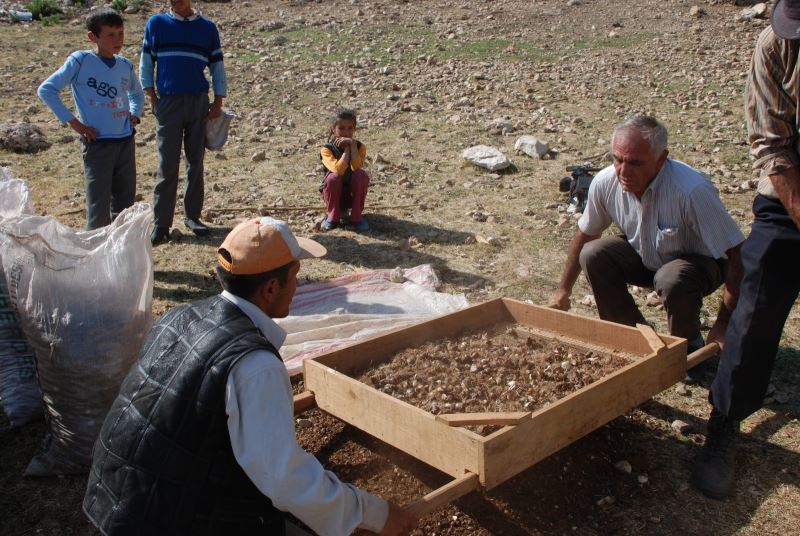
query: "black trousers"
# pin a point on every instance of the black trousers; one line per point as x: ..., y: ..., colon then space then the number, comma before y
x: 771, y: 259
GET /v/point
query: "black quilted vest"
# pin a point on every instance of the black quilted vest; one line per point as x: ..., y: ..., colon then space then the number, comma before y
x: 163, y: 463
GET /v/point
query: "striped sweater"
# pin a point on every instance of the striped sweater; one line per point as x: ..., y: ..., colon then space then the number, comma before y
x: 179, y: 50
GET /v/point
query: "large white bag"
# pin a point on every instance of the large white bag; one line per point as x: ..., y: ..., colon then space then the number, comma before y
x: 19, y: 392
x: 84, y: 302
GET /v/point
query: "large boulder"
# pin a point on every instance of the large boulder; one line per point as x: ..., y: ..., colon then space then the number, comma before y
x: 486, y: 157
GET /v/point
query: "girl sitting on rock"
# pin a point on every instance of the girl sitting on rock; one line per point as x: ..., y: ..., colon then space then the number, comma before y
x: 345, y: 184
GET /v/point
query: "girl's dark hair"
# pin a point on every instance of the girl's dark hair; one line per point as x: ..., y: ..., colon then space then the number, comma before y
x: 245, y: 286
x: 341, y: 113
x: 103, y: 17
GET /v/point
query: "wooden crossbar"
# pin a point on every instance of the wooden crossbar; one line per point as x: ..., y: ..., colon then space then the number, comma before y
x: 468, y: 419
x: 444, y: 495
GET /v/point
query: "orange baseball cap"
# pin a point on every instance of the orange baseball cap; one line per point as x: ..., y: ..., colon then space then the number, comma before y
x: 262, y: 244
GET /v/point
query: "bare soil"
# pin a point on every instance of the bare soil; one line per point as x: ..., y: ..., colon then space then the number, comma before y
x: 429, y: 79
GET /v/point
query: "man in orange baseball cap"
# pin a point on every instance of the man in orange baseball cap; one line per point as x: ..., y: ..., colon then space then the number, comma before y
x: 201, y: 437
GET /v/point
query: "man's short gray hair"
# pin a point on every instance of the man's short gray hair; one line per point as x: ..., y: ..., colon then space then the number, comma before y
x: 650, y: 128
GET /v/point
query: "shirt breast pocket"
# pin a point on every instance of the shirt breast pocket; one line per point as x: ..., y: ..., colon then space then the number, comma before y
x: 669, y: 242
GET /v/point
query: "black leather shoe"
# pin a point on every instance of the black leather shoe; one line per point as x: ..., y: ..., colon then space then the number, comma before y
x: 159, y: 235
x: 714, y: 467
x: 196, y: 226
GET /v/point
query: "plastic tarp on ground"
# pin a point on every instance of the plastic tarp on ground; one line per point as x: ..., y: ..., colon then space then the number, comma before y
x: 331, y: 314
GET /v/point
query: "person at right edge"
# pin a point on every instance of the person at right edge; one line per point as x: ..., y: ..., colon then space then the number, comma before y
x: 770, y: 254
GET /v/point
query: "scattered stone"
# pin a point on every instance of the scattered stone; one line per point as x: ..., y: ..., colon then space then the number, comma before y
x: 22, y: 138
x: 652, y: 299
x: 32, y: 109
x: 132, y: 9
x: 486, y: 157
x: 757, y: 11
x: 259, y: 156
x: 485, y: 239
x: 606, y: 500
x: 500, y: 126
x: 479, y: 216
x: 270, y: 26
x: 642, y: 479
x: 623, y: 466
x: 304, y: 423
x: 397, y: 275
x: 469, y: 240
x: 697, y: 11
x: 532, y: 146
x: 682, y: 390
x: 681, y: 427
x: 589, y: 301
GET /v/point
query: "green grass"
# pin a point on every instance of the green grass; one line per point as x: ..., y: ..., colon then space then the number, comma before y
x: 402, y: 45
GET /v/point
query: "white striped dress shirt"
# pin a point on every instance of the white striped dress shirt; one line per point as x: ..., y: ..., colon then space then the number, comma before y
x: 680, y: 213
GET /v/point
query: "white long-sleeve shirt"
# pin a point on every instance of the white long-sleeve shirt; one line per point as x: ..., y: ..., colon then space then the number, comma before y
x: 260, y: 411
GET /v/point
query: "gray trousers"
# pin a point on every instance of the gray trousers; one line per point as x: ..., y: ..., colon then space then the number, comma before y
x: 611, y: 263
x: 110, y: 172
x: 180, y: 121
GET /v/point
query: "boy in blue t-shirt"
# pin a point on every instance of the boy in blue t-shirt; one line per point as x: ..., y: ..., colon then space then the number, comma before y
x: 109, y: 100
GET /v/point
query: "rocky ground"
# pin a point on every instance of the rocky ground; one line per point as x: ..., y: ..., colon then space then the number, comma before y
x: 431, y: 79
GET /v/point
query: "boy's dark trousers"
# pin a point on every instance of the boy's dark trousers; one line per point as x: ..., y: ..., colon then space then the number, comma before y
x: 181, y: 121
x: 770, y: 285
x: 109, y: 168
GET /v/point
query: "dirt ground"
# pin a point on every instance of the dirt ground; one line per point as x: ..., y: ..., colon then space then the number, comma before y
x: 429, y: 79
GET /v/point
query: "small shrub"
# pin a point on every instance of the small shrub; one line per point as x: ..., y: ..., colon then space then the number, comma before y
x: 51, y: 20
x: 119, y: 5
x: 44, y: 8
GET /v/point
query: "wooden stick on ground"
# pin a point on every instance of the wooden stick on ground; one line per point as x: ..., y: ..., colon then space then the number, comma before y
x: 444, y: 495
x: 267, y: 209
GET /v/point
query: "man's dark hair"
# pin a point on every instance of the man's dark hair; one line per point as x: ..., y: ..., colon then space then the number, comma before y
x: 103, y: 17
x: 245, y: 286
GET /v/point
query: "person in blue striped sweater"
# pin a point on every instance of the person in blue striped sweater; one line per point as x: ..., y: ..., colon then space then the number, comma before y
x: 109, y: 103
x: 178, y: 47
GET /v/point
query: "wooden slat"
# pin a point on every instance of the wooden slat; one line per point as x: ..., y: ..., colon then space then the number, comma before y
x: 498, y: 418
x: 304, y: 402
x: 444, y: 495
x: 698, y: 356
x: 652, y: 338
x: 594, y: 332
x: 416, y: 432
